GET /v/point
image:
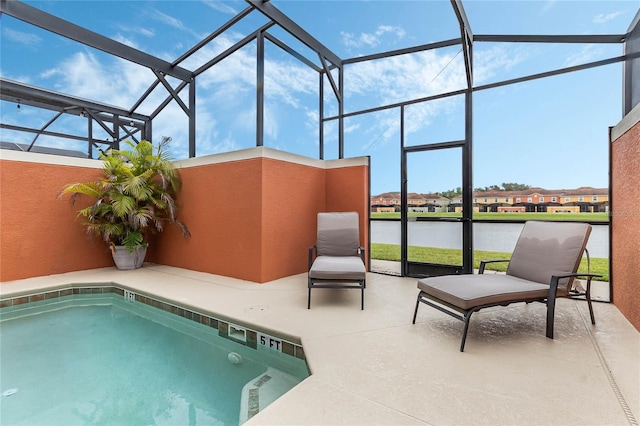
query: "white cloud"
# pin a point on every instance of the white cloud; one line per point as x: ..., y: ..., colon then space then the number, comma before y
x: 396, y: 79
x: 230, y: 85
x: 125, y: 40
x: 489, y: 62
x: 118, y: 82
x: 136, y: 30
x: 21, y: 37
x: 173, y: 122
x: 588, y: 53
x: 271, y: 119
x: 23, y: 78
x: 145, y: 32
x: 368, y: 39
x: 349, y: 39
x: 603, y: 18
x: 371, y: 39
x: 404, y: 77
x: 213, y: 49
x: 352, y: 128
x: 168, y: 20
x: 220, y: 6
x: 311, y: 124
x: 383, y: 29
x: 227, y: 144
x: 173, y: 22
x: 387, y: 124
x: 287, y: 81
x: 207, y: 128
x: 548, y: 5
x: 226, y: 92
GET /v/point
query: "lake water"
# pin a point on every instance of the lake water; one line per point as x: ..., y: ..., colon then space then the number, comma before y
x: 499, y: 237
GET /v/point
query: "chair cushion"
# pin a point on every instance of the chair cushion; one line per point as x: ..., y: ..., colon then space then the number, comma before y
x: 338, y: 234
x: 548, y: 248
x: 338, y: 267
x: 470, y: 291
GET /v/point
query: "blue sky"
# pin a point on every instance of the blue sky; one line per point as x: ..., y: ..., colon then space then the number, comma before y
x: 551, y: 132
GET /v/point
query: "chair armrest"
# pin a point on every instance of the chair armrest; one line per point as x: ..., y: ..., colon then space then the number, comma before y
x: 483, y: 263
x: 311, y: 249
x: 553, y: 286
x: 587, y: 292
x: 581, y: 274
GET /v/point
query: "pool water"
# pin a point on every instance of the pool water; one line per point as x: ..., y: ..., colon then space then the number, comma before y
x: 103, y: 360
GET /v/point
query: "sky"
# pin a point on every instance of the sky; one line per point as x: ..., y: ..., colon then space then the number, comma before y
x: 550, y: 133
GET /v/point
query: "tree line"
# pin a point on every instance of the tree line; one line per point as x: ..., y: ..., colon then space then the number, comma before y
x: 503, y: 187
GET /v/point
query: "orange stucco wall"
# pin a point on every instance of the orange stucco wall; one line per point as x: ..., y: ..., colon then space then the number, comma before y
x: 625, y: 222
x: 255, y: 218
x: 220, y: 204
x: 251, y: 217
x: 348, y: 190
x: 292, y: 196
x: 39, y: 233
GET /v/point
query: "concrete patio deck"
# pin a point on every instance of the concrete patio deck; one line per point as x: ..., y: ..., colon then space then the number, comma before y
x: 375, y: 367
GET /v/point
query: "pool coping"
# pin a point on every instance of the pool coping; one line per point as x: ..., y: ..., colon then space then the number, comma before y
x: 231, y: 329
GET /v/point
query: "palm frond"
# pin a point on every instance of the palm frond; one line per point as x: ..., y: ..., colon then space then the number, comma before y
x: 122, y: 204
x: 134, y: 195
x: 91, y: 189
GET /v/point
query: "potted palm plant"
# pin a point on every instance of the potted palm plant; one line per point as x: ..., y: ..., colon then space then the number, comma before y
x: 134, y: 197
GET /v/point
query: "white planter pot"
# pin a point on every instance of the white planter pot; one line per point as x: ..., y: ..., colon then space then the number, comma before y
x: 125, y: 259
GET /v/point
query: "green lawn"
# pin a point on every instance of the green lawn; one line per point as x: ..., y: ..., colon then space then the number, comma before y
x: 454, y: 257
x: 587, y: 217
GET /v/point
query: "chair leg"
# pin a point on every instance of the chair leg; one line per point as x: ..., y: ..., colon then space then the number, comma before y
x: 309, y: 296
x: 588, y: 296
x: 593, y: 318
x: 467, y: 319
x: 362, y: 303
x: 551, y: 307
x: 415, y: 313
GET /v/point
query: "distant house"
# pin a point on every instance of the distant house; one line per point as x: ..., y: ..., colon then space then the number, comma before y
x: 584, y: 199
x: 434, y: 203
x: 580, y: 200
x: 386, y: 202
x: 391, y: 201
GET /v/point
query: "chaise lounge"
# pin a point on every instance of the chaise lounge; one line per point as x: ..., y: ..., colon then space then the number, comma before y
x: 543, y: 266
x: 339, y: 260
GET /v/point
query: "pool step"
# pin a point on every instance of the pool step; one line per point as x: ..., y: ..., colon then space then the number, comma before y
x: 263, y: 390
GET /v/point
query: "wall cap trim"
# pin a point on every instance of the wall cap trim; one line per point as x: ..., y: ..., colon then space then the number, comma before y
x: 626, y: 123
x: 58, y: 160
x: 243, y: 154
x: 274, y: 154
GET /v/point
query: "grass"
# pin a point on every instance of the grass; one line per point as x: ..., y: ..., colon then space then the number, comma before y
x: 454, y: 257
x: 586, y: 217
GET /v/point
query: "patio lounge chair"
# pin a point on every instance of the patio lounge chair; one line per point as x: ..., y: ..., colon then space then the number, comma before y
x: 339, y: 258
x: 542, y: 267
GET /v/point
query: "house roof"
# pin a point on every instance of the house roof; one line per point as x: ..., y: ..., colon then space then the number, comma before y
x: 581, y: 191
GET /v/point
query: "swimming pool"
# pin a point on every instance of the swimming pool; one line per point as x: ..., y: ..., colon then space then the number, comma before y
x: 107, y: 355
